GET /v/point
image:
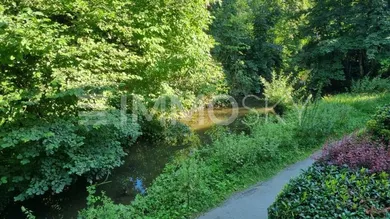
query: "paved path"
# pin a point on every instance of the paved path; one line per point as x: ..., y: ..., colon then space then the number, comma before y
x: 253, y: 203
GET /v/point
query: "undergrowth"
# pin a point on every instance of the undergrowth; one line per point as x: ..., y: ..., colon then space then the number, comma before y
x: 232, y: 162
x: 327, y: 191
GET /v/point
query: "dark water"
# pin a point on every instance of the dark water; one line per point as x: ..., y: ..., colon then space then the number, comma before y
x: 143, y: 164
x: 145, y: 161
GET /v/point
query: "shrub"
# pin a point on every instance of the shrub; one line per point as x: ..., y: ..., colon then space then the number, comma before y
x: 48, y: 157
x: 368, y: 85
x: 357, y: 153
x: 236, y: 151
x: 103, y: 207
x: 177, y: 193
x: 280, y: 90
x: 327, y: 191
x: 167, y: 131
x: 177, y: 133
x: 277, y: 131
x: 215, y: 133
x: 379, y: 126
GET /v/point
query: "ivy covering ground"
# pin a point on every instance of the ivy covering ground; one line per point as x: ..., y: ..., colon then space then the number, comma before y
x: 326, y: 191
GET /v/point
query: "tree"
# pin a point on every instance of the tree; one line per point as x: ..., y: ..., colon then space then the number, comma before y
x: 347, y: 40
x: 63, y: 63
x: 244, y: 42
x: 287, y: 31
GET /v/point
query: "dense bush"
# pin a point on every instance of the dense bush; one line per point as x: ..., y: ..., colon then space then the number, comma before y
x: 327, y: 191
x: 276, y: 132
x: 279, y: 90
x: 47, y: 157
x: 357, y: 153
x: 337, y: 114
x: 237, y: 151
x: 92, y: 45
x: 379, y: 125
x: 178, y: 192
x: 368, y: 85
x: 61, y: 60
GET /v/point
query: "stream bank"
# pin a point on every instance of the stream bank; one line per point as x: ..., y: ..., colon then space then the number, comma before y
x: 145, y: 161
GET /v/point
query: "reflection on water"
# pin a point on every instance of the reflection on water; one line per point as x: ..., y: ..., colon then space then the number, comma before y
x: 201, y: 121
x: 145, y: 161
x: 61, y: 206
x: 142, y: 165
x: 138, y: 185
x: 205, y: 120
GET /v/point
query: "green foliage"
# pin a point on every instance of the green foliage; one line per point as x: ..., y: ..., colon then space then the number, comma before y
x: 368, y: 85
x: 365, y: 103
x: 335, y: 115
x: 64, y: 62
x: 232, y: 161
x: 242, y: 30
x: 217, y: 132
x: 167, y: 131
x: 346, y: 40
x: 28, y: 213
x: 178, y: 134
x: 326, y: 191
x: 184, y: 192
x: 54, y: 52
x: 210, y: 172
x: 232, y: 29
x: 280, y: 90
x: 321, y: 120
x: 379, y: 125
x: 277, y: 134
x: 287, y: 31
x: 103, y: 207
x: 49, y: 156
x: 237, y: 151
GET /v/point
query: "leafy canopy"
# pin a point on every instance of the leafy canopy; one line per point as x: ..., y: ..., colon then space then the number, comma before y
x: 60, y: 63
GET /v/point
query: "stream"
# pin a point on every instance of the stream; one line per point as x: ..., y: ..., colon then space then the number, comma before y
x: 144, y: 162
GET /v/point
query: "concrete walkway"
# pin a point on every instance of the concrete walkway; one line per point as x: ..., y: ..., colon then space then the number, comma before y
x: 253, y: 203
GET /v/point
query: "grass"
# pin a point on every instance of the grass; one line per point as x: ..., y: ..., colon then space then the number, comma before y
x: 233, y: 162
x: 366, y: 104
